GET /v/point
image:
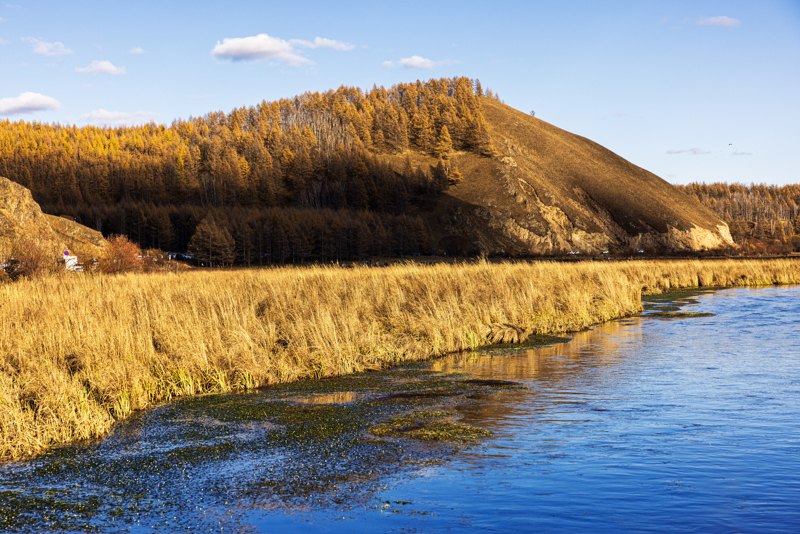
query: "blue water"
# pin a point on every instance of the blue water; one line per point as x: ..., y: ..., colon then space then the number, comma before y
x: 641, y: 425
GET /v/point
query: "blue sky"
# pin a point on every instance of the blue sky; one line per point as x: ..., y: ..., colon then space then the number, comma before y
x: 692, y: 91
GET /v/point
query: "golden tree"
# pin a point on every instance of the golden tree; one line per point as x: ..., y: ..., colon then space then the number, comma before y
x: 445, y: 145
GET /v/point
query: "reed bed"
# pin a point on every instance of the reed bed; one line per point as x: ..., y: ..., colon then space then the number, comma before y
x: 79, y: 352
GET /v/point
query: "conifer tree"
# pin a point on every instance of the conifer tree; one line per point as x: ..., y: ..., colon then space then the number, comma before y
x: 212, y: 243
x: 444, y: 145
x: 455, y: 177
x: 439, y: 179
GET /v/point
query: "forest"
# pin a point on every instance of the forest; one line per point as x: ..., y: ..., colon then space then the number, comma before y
x: 300, y: 179
x: 763, y: 218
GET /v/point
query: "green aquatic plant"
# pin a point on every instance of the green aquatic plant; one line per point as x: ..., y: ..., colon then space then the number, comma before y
x: 429, y: 425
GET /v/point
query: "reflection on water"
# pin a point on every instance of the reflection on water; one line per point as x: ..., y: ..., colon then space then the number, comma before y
x: 644, y: 424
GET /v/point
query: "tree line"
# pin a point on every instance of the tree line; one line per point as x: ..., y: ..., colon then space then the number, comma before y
x: 768, y: 214
x: 253, y: 235
x: 315, y: 154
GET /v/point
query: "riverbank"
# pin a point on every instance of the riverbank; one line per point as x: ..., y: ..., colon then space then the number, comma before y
x: 78, y: 353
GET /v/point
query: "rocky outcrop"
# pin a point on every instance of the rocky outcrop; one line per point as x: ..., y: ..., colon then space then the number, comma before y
x: 76, y: 236
x: 22, y: 218
x: 20, y: 215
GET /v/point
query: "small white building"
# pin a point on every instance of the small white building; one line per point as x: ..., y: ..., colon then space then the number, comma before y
x: 70, y: 263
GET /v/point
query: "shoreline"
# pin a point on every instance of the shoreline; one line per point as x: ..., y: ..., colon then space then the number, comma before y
x: 79, y: 353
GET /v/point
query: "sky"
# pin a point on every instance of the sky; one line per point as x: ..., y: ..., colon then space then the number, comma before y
x: 693, y: 91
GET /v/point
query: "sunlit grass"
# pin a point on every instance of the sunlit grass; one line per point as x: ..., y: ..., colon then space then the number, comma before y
x: 79, y: 352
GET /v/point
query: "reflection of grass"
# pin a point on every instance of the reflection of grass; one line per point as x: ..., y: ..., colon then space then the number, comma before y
x: 676, y: 315
x: 429, y: 426
x: 533, y: 342
x: 667, y: 305
x: 78, y: 353
x: 686, y: 295
x: 652, y: 307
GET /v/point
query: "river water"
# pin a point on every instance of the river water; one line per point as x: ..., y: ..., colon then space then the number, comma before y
x: 641, y: 425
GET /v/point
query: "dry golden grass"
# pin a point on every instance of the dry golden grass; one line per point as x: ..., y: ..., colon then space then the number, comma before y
x: 79, y: 352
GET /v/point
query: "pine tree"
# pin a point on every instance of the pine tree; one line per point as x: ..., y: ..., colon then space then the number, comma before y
x: 212, y: 243
x: 445, y: 145
x: 455, y: 177
x: 378, y: 140
x: 439, y: 177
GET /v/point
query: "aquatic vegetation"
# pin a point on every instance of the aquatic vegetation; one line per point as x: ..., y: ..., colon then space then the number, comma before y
x: 426, y: 425
x: 284, y: 453
x: 79, y: 353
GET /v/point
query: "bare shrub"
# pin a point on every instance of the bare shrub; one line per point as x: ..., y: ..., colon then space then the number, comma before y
x: 153, y: 260
x: 121, y: 256
x: 31, y: 257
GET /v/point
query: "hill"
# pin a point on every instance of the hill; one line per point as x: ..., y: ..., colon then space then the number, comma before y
x: 350, y: 174
x: 548, y: 190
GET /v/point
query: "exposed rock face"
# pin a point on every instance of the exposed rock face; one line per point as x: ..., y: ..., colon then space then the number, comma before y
x: 76, y: 236
x: 21, y: 217
x: 549, y: 190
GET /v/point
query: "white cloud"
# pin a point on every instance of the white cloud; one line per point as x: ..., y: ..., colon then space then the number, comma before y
x: 3, y: 41
x: 620, y: 114
x: 263, y: 47
x: 417, y: 62
x: 692, y: 151
x: 136, y: 50
x: 321, y: 42
x: 47, y: 49
x: 2, y: 19
x: 258, y: 48
x: 738, y: 152
x: 27, y: 103
x: 101, y: 117
x: 102, y: 67
x: 719, y: 21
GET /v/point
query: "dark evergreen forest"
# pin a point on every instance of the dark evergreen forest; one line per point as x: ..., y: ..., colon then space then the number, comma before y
x: 300, y: 179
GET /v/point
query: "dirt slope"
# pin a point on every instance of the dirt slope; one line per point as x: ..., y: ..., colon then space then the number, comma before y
x: 550, y: 190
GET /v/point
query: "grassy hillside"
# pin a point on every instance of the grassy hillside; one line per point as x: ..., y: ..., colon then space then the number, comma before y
x: 548, y: 190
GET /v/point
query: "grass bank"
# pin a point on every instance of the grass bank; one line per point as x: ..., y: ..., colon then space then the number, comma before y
x: 79, y: 352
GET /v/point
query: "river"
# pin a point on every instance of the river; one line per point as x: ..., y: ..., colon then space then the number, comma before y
x: 640, y: 425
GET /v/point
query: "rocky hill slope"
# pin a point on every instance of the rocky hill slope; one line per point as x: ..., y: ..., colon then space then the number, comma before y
x: 549, y: 190
x: 21, y: 218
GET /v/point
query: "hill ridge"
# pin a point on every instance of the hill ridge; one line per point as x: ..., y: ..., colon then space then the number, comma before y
x: 353, y: 174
